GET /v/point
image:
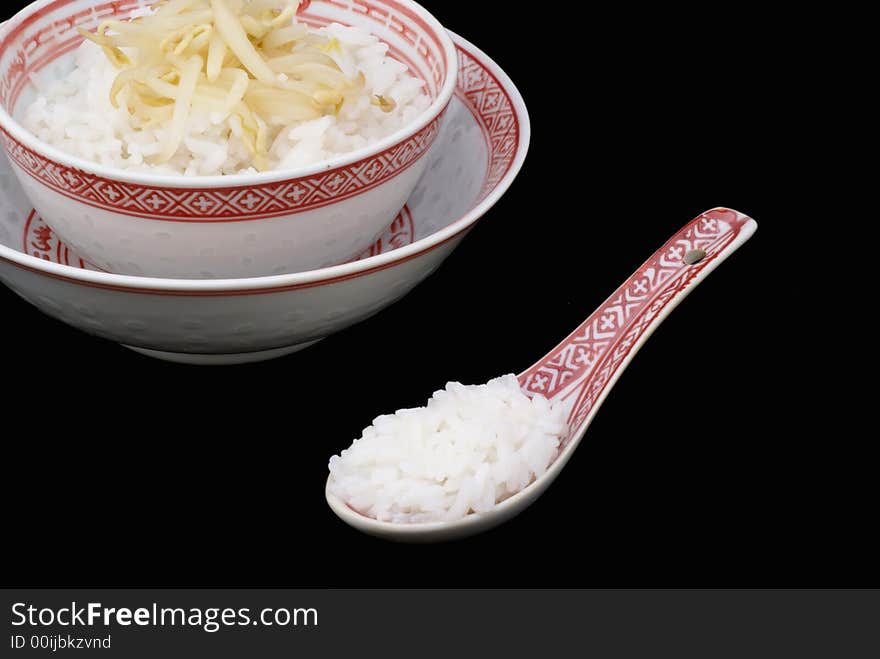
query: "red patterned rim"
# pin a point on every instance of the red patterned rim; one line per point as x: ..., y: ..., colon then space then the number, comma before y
x: 232, y: 204
x: 499, y: 109
x: 214, y: 198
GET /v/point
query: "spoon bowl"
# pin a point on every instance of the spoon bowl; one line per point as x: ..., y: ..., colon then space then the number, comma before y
x: 580, y: 371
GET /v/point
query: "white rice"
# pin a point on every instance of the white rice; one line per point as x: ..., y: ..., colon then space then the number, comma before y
x: 470, y: 448
x: 72, y: 112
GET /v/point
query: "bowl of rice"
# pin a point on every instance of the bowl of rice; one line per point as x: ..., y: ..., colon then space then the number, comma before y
x: 202, y: 139
x: 480, y: 149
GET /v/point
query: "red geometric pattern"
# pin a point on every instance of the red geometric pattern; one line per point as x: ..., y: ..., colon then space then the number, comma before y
x: 223, y: 204
x: 480, y: 90
x: 597, y: 348
x: 40, y: 241
x: 45, y: 42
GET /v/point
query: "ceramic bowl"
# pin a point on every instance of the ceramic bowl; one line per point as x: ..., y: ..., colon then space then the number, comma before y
x: 221, y: 226
x: 478, y: 153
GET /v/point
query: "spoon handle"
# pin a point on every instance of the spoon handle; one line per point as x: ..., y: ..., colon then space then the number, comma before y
x: 584, y: 367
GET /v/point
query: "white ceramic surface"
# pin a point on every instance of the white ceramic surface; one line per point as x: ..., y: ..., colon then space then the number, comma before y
x: 221, y: 226
x: 479, y: 152
x: 582, y: 369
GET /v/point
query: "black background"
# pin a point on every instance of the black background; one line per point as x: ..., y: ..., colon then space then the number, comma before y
x: 710, y: 464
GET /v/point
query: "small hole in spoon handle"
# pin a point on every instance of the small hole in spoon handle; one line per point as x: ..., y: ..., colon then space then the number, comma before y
x: 694, y: 256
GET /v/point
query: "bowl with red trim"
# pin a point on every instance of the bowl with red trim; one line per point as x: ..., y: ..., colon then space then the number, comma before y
x: 223, y: 226
x: 479, y: 152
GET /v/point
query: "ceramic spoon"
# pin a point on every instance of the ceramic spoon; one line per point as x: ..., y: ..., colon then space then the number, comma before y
x: 583, y: 368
